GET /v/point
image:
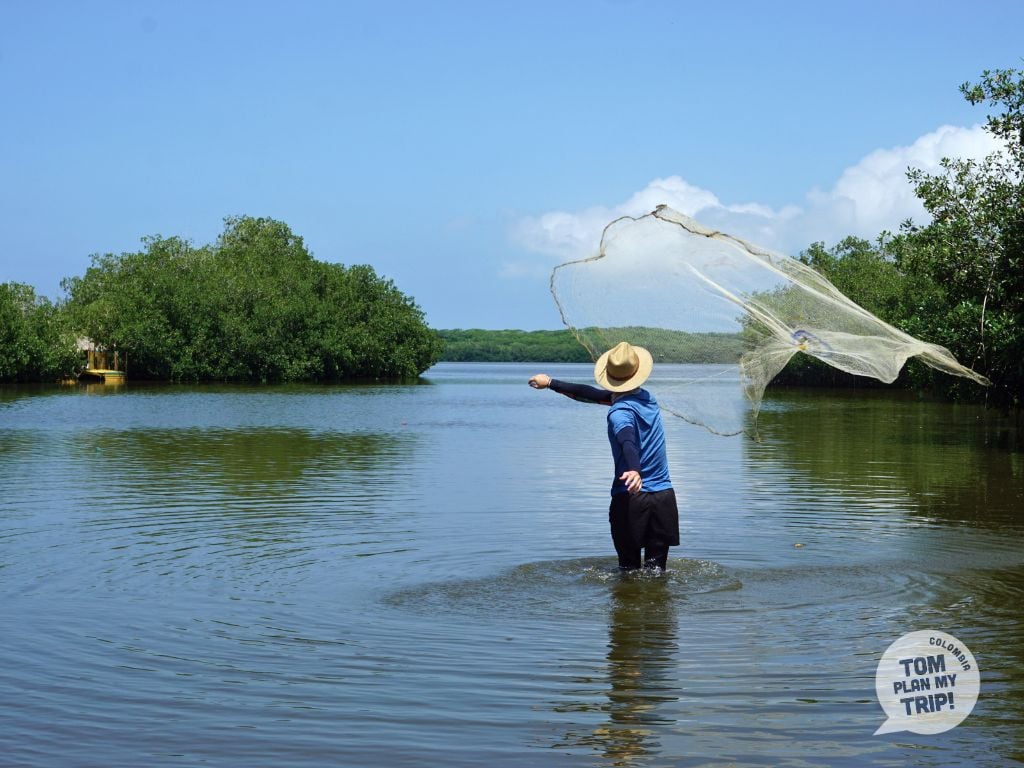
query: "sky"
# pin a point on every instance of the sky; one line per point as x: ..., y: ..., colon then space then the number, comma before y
x: 463, y: 149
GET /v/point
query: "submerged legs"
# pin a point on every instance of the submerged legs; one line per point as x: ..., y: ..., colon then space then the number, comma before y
x: 644, y: 521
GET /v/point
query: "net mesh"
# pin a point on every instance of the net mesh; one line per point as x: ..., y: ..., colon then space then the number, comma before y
x: 722, y: 317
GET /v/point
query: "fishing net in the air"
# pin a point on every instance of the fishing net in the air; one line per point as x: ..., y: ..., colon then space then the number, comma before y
x: 730, y: 313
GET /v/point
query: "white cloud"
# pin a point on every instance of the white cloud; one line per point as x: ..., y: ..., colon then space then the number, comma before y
x: 570, y: 235
x: 869, y: 197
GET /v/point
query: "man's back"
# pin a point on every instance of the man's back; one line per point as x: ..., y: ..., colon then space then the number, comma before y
x: 640, y: 411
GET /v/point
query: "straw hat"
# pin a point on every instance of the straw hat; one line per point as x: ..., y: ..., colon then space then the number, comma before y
x: 623, y: 367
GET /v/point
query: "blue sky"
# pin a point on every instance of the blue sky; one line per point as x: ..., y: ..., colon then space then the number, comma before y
x: 465, y: 148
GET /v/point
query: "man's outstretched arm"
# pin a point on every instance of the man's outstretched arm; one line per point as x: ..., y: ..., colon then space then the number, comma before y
x: 580, y: 392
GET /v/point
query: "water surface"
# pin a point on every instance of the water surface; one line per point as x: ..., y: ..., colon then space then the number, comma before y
x: 422, y: 575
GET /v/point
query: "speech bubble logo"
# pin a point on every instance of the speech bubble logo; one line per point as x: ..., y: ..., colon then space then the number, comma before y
x: 927, y: 682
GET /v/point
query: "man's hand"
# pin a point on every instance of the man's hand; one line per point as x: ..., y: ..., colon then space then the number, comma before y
x: 540, y: 381
x: 632, y: 480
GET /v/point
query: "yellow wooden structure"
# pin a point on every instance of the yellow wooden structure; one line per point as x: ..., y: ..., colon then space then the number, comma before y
x: 102, y: 366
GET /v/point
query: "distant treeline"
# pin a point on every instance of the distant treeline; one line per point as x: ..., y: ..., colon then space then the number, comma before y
x: 254, y: 306
x: 511, y: 346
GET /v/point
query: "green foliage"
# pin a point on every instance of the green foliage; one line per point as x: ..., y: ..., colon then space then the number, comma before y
x: 966, y: 267
x: 511, y: 346
x: 668, y: 346
x: 857, y: 268
x: 36, y: 343
x: 959, y: 280
x: 254, y: 306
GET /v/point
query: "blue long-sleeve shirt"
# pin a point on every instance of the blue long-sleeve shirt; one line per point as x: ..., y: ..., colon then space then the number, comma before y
x: 635, y: 433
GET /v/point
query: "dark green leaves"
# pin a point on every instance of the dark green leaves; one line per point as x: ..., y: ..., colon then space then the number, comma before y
x: 959, y: 280
x: 36, y: 343
x: 254, y: 306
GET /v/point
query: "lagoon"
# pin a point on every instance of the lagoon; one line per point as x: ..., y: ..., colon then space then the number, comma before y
x: 422, y: 575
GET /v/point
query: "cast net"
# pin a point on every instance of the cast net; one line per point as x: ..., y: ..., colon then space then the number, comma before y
x: 722, y: 317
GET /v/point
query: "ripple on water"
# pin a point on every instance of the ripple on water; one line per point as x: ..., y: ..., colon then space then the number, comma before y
x: 566, y: 586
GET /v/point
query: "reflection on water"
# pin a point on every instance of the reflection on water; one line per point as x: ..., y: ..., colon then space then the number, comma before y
x: 251, y: 495
x: 641, y: 663
x: 863, y: 444
x: 622, y: 695
x: 422, y: 575
x: 246, y: 468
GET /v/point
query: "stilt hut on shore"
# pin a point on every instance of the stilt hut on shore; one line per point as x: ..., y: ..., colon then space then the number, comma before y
x: 103, y: 366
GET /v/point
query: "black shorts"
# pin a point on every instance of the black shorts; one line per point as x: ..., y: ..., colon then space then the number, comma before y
x: 640, y: 519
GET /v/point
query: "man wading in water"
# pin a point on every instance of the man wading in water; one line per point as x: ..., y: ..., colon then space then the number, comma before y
x: 643, y: 512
